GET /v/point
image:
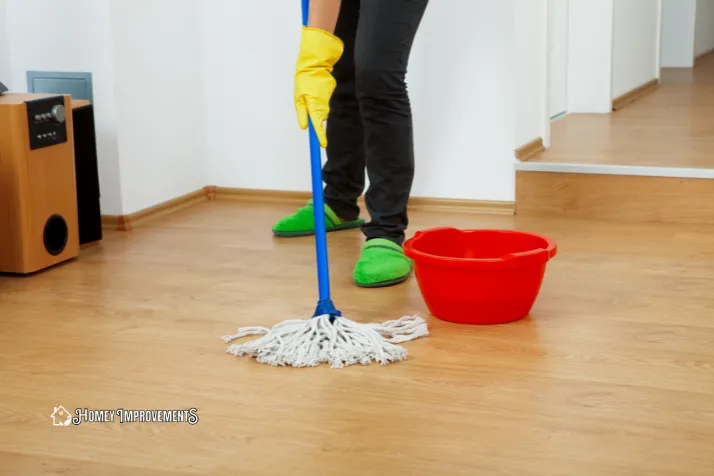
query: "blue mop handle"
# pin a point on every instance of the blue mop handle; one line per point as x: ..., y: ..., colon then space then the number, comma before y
x: 325, y: 305
x: 305, y: 12
x: 323, y: 274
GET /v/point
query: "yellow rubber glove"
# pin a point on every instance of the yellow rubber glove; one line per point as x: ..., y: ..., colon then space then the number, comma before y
x: 314, y: 84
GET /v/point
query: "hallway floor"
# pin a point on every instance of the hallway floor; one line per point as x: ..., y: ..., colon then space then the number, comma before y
x: 611, y: 375
x: 671, y: 127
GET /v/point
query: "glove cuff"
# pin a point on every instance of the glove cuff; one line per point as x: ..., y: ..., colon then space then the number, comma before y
x: 320, y: 47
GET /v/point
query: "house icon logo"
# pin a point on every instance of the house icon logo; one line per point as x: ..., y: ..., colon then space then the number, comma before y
x: 61, y: 417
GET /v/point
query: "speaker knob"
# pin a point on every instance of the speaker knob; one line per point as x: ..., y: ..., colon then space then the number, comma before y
x: 58, y: 114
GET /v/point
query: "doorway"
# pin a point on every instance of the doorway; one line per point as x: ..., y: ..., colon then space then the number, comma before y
x: 558, y: 57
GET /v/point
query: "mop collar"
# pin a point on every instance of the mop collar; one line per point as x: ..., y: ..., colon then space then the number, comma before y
x: 325, y: 307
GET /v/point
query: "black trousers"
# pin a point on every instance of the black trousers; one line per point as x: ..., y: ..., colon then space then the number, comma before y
x: 370, y: 121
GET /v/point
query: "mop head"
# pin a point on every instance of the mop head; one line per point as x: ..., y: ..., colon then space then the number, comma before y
x: 336, y: 341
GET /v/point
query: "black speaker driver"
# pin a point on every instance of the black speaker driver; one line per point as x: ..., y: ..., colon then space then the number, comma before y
x: 56, y: 234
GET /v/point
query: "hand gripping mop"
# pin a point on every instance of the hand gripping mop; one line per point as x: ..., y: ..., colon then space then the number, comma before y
x: 327, y: 337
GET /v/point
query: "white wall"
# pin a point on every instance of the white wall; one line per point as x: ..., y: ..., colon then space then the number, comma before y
x: 531, y: 42
x: 84, y: 44
x: 678, y: 17
x: 157, y: 54
x: 180, y: 107
x: 253, y: 140
x: 464, y: 135
x: 635, y: 47
x: 687, y: 31
x: 144, y: 56
x: 590, y: 56
x: 704, y: 30
x: 5, y: 73
x: 461, y: 84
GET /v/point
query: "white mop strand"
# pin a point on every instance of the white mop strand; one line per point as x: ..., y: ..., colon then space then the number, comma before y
x: 308, y: 343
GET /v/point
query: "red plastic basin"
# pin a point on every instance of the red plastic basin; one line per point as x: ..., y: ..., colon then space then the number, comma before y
x: 479, y: 276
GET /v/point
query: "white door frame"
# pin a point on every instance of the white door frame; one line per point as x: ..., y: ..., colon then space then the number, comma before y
x: 547, y: 119
x: 550, y: 31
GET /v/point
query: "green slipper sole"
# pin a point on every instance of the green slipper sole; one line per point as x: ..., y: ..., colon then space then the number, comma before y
x: 302, y: 223
x: 383, y: 284
x: 382, y: 263
x: 348, y: 225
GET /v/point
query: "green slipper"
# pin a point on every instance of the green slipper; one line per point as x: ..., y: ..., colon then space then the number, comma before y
x: 382, y: 263
x: 302, y: 222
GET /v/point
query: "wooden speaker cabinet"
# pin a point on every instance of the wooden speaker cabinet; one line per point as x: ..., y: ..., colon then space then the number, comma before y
x: 38, y: 194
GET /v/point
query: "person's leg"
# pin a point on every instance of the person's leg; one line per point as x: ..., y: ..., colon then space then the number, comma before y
x: 344, y: 171
x: 385, y: 36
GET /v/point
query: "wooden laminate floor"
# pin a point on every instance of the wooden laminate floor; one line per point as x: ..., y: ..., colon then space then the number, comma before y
x: 671, y: 127
x: 612, y: 374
